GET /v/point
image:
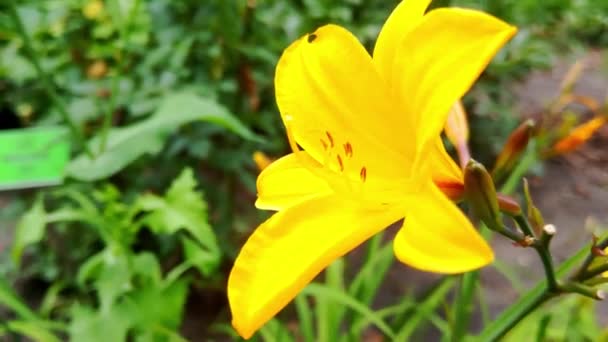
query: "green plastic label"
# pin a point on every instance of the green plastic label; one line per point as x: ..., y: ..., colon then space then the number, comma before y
x: 33, y: 157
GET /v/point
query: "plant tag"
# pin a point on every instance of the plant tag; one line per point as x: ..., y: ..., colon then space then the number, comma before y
x: 33, y: 157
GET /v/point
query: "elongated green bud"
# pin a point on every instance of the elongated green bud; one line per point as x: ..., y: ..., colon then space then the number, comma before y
x: 534, y: 215
x: 481, y: 195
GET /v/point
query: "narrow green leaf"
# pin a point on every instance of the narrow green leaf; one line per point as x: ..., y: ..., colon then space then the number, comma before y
x: 33, y: 330
x: 10, y: 299
x: 304, y: 318
x: 341, y: 298
x: 425, y: 308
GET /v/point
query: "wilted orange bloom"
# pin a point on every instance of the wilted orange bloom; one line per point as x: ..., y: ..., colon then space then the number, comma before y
x: 579, y: 135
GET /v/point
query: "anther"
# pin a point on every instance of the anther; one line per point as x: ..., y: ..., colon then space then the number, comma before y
x: 348, y: 149
x: 311, y: 37
x: 331, y: 139
x: 340, y: 162
x: 324, y: 144
x: 363, y: 174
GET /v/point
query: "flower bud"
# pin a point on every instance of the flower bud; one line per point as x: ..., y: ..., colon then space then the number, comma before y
x: 578, y: 136
x: 514, y: 147
x: 534, y: 215
x: 481, y: 195
x: 261, y: 160
x: 457, y: 130
x: 508, y: 205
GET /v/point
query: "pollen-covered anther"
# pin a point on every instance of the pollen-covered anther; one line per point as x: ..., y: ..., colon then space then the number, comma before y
x: 348, y: 150
x: 340, y: 162
x: 331, y: 139
x: 324, y: 144
x: 363, y: 174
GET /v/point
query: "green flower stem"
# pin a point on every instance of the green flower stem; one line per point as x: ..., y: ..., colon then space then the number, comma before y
x: 46, y: 80
x: 587, y: 291
x: 511, y: 235
x: 543, y: 253
x: 523, y: 224
x: 527, y: 303
x: 580, y: 274
x: 595, y: 271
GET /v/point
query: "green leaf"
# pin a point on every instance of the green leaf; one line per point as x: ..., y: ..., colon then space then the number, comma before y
x: 184, y: 208
x: 426, y: 308
x: 512, y: 313
x: 204, y: 260
x: 92, y: 326
x: 34, y: 330
x: 341, y: 298
x: 30, y: 229
x: 10, y: 299
x: 159, y: 306
x: 126, y: 144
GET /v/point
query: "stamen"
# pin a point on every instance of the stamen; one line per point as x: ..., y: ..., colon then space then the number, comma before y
x: 340, y: 162
x: 363, y: 174
x: 311, y: 37
x: 348, y: 149
x: 324, y: 144
x: 331, y: 139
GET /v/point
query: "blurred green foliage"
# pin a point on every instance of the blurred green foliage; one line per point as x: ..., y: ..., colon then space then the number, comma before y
x: 156, y: 86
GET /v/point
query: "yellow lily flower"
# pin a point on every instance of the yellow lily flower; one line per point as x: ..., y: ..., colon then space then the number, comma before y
x: 372, y: 154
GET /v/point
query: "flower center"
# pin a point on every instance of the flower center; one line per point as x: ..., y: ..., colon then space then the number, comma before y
x: 341, y: 160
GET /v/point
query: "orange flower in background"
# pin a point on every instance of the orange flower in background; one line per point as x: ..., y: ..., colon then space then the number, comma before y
x: 579, y: 135
x: 261, y: 160
x: 372, y: 154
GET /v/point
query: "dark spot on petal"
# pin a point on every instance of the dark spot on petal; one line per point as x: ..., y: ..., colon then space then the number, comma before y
x: 363, y: 174
x: 311, y: 37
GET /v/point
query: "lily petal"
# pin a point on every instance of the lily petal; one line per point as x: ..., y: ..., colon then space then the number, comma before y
x: 439, y: 60
x: 335, y: 103
x: 437, y: 237
x: 442, y: 167
x: 286, y: 252
x: 402, y: 20
x: 287, y: 181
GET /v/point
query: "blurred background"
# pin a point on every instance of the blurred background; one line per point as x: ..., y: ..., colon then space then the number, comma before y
x: 175, y: 97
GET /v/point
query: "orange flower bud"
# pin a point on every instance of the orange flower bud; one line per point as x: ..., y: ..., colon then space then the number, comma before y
x: 578, y: 136
x: 457, y: 130
x: 513, y: 149
x: 261, y: 160
x: 508, y: 205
